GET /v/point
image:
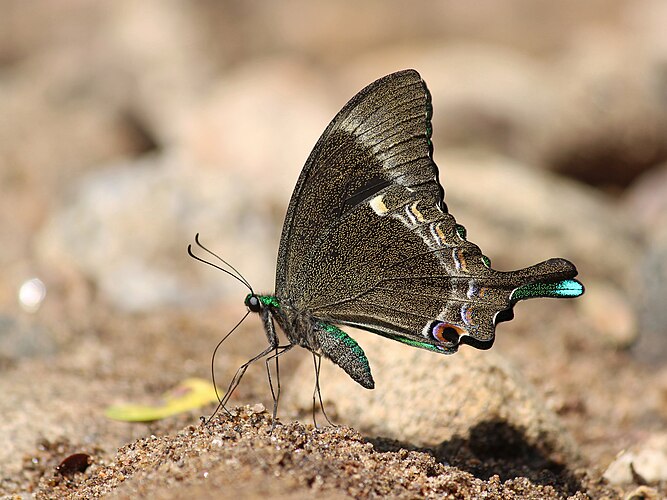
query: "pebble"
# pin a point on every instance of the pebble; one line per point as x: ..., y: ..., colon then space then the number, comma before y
x: 645, y: 462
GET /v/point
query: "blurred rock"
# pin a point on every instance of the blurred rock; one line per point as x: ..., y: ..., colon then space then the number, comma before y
x: 22, y: 338
x: 645, y: 24
x: 260, y: 123
x: 608, y: 125
x: 54, y: 128
x: 427, y: 399
x: 127, y: 227
x: 83, y: 85
x: 520, y: 216
x: 339, y: 32
x: 647, y: 201
x: 609, y: 313
x: 652, y: 345
x: 644, y: 463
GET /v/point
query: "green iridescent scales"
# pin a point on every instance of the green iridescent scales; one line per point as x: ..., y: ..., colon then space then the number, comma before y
x: 368, y: 242
x: 268, y: 300
x: 560, y: 289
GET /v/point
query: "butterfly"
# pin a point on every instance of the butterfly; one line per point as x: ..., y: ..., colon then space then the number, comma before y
x: 368, y: 242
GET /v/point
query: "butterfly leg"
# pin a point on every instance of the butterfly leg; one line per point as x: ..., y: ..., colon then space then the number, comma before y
x: 236, y: 380
x: 317, y: 360
x: 272, y: 338
x: 279, y: 351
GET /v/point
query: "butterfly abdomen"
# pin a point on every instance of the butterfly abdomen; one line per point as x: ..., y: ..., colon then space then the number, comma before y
x: 344, y: 351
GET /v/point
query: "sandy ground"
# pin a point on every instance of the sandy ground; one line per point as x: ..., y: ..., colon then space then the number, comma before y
x: 132, y: 126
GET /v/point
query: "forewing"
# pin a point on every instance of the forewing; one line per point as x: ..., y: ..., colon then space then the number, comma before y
x: 364, y: 149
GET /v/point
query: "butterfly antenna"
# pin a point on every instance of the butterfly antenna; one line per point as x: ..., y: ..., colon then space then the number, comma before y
x: 215, y: 351
x: 236, y: 274
x: 222, y: 260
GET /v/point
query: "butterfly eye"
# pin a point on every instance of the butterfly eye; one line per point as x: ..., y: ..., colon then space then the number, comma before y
x: 253, y: 303
x: 447, y: 333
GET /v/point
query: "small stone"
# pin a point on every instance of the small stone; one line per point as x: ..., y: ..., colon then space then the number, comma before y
x: 646, y: 462
x: 257, y: 408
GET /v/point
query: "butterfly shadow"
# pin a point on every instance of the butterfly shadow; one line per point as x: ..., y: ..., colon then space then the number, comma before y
x: 495, y: 447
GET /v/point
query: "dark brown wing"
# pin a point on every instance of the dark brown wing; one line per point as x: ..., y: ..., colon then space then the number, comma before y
x: 368, y: 241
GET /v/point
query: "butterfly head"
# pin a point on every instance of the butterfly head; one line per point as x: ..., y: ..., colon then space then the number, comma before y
x: 256, y: 302
x: 253, y: 302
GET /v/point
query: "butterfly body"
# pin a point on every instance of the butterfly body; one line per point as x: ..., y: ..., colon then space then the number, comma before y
x: 321, y: 338
x: 368, y: 242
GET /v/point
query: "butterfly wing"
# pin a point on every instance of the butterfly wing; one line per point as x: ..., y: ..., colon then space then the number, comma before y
x: 368, y: 240
x: 351, y: 161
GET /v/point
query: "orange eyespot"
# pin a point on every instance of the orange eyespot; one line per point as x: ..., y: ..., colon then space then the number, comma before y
x: 447, y: 333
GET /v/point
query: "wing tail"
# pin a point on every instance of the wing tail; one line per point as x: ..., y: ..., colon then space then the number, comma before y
x: 552, y: 278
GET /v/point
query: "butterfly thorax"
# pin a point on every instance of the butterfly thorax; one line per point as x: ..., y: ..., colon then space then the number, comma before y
x: 298, y: 324
x: 302, y: 328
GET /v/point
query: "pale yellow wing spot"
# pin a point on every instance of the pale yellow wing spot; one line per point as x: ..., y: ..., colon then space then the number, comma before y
x: 416, y: 212
x: 378, y: 206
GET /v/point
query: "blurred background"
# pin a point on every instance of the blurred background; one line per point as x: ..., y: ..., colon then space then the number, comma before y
x: 127, y: 127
